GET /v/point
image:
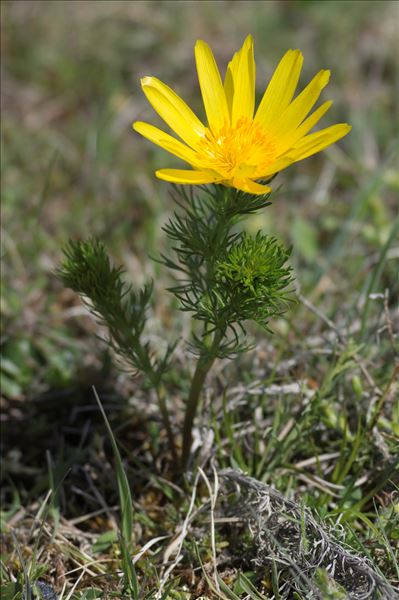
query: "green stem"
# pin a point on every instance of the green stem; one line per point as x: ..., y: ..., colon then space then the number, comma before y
x: 160, y: 389
x: 204, y: 364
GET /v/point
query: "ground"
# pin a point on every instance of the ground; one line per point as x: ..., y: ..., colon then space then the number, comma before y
x: 312, y: 411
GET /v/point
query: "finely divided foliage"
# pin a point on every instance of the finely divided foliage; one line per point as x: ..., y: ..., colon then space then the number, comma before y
x: 226, y: 276
x: 87, y: 270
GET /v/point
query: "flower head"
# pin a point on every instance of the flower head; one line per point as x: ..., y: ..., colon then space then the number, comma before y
x: 239, y: 146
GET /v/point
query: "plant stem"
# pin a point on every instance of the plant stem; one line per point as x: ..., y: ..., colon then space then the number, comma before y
x: 204, y: 364
x: 160, y: 390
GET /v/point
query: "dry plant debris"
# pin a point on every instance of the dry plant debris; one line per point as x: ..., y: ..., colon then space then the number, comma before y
x: 286, y: 534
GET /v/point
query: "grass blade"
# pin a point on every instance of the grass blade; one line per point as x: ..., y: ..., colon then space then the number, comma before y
x: 125, y: 497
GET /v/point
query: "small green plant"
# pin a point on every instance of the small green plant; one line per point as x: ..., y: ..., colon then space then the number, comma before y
x: 225, y: 277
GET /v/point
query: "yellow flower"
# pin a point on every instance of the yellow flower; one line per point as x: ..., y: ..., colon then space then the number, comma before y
x: 238, y: 147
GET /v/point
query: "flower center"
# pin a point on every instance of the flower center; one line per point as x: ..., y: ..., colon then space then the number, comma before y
x: 242, y: 150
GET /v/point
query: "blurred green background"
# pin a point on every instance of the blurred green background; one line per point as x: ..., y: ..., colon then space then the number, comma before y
x: 72, y: 166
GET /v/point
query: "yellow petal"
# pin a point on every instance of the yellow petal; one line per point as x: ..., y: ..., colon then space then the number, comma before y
x: 249, y: 186
x: 173, y: 110
x: 244, y: 83
x: 281, y: 88
x: 292, y: 137
x: 274, y: 167
x: 166, y: 141
x: 296, y: 112
x: 186, y: 176
x: 315, y: 142
x: 230, y: 77
x: 212, y: 90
